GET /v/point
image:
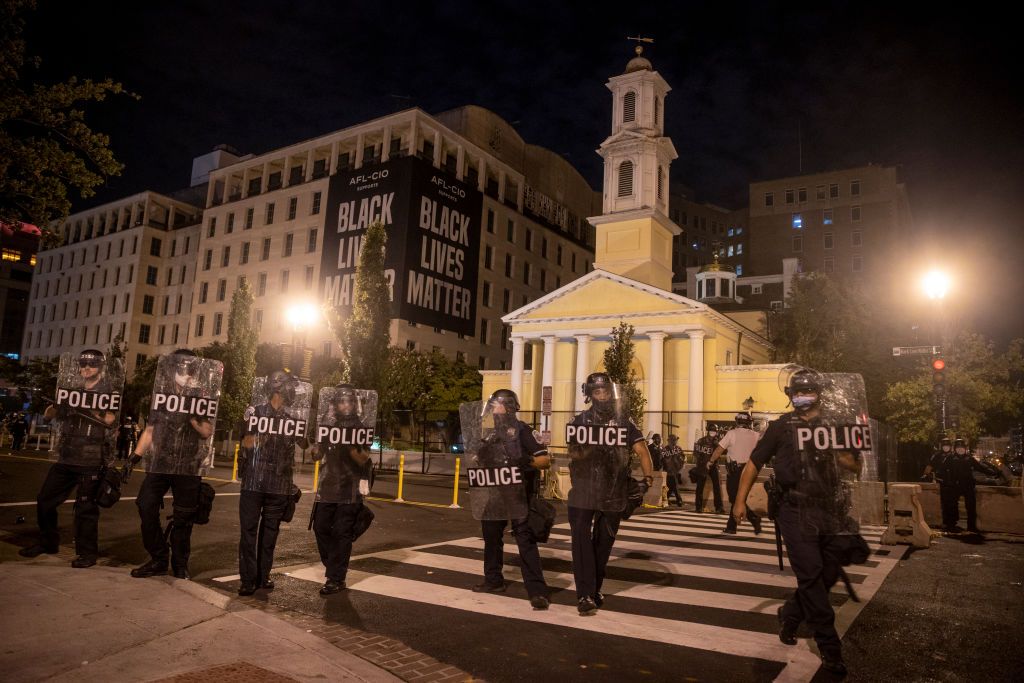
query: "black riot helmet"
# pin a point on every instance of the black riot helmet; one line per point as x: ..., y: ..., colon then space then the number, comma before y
x: 91, y: 358
x: 804, y: 381
x: 744, y: 420
x: 187, y: 362
x: 283, y: 383
x: 596, y: 380
x: 507, y: 398
x: 946, y: 441
x: 346, y: 394
x: 960, y: 443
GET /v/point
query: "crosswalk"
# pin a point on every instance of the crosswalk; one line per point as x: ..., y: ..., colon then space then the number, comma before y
x: 673, y: 579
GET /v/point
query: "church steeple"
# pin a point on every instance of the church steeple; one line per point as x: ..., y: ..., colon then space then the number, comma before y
x: 634, y: 234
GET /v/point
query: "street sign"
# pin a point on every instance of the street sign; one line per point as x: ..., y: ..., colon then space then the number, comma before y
x: 545, y: 400
x: 916, y: 350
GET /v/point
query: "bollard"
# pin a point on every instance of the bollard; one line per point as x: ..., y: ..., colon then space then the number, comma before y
x: 316, y: 475
x: 234, y: 468
x: 455, y: 493
x: 401, y: 477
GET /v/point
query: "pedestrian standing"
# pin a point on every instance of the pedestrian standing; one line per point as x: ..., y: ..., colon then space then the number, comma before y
x: 737, y: 444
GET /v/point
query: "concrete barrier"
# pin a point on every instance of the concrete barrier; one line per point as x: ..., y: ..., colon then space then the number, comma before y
x: 868, y: 502
x: 906, y: 521
x: 1000, y: 508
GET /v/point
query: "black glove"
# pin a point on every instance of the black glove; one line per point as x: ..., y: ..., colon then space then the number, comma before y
x: 637, y: 491
x: 925, y: 477
x: 126, y: 471
x: 525, y: 460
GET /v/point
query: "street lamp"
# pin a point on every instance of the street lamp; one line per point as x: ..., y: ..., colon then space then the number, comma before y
x: 935, y: 284
x: 300, y: 316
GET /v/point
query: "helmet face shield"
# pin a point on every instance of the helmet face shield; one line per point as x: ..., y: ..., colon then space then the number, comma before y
x: 503, y: 401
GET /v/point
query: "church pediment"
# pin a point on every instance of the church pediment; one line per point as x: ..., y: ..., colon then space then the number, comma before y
x: 600, y: 294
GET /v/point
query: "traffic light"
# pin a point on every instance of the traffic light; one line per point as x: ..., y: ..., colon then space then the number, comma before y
x: 939, y: 377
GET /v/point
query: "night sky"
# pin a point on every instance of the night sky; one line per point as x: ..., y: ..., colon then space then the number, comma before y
x: 925, y: 86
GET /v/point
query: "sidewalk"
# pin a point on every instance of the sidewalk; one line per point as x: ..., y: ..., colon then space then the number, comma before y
x: 67, y: 624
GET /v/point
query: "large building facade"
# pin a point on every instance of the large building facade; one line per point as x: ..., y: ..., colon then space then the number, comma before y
x: 19, y: 244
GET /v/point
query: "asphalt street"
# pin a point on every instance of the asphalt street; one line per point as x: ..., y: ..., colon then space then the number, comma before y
x: 684, y: 602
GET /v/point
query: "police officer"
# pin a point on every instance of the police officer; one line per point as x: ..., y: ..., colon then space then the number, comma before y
x: 960, y: 469
x: 703, y: 449
x: 654, y: 448
x: 18, y: 426
x: 672, y: 459
x: 340, y: 492
x: 816, y: 557
x: 738, y: 443
x: 127, y: 437
x: 531, y: 457
x: 937, y: 467
x: 182, y: 437
x: 599, y: 473
x: 82, y: 451
x: 265, y: 468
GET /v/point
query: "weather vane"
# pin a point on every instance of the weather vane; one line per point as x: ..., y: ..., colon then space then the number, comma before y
x: 640, y: 39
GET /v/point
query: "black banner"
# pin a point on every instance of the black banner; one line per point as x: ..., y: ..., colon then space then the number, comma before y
x: 433, y: 249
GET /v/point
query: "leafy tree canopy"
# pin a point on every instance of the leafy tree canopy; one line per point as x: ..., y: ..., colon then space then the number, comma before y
x: 618, y: 363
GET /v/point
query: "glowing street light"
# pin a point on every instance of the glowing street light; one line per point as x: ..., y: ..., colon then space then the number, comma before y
x: 300, y: 316
x: 935, y: 284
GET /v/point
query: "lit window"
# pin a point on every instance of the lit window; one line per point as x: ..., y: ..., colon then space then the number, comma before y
x: 731, y: 232
x: 739, y: 248
x: 798, y: 221
x: 730, y: 251
x: 739, y: 270
x: 826, y: 217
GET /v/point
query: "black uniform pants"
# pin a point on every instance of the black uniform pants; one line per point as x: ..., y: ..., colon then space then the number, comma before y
x: 529, y: 555
x: 948, y: 499
x: 672, y: 482
x: 259, y: 519
x: 185, y: 489
x: 970, y: 502
x: 716, y: 487
x: 593, y: 535
x: 816, y: 560
x: 59, y: 482
x: 732, y: 486
x: 333, y: 526
x: 17, y: 440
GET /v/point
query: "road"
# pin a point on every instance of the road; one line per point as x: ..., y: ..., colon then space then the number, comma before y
x: 683, y: 600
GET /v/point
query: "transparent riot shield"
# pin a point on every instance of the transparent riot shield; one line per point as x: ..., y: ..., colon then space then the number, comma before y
x: 276, y: 422
x: 497, y: 484
x: 88, y: 409
x: 831, y: 447
x: 183, y: 414
x: 346, y: 418
x: 599, y: 442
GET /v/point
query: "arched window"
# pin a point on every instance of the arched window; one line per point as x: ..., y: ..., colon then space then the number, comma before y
x: 626, y: 179
x: 629, y: 107
x: 661, y: 183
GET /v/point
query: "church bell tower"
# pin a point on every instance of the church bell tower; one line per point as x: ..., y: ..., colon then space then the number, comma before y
x: 634, y: 234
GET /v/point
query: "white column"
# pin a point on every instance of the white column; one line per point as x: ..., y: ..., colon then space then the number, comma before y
x: 360, y: 141
x: 385, y: 146
x: 265, y: 179
x: 245, y: 183
x: 696, y: 383
x: 460, y: 163
x: 412, y: 138
x: 286, y: 171
x: 211, y: 187
x: 333, y: 162
x: 549, y: 361
x: 481, y: 181
x: 501, y: 186
x: 518, y: 363
x: 437, y: 149
x: 582, y: 366
x: 307, y: 172
x: 656, y: 383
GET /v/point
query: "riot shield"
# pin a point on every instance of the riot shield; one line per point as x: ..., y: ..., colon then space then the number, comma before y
x: 346, y: 418
x: 88, y: 407
x: 275, y: 423
x: 183, y: 414
x: 599, y: 441
x: 497, y: 486
x: 830, y: 447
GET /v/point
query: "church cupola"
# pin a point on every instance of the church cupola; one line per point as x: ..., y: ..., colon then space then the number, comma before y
x: 716, y: 283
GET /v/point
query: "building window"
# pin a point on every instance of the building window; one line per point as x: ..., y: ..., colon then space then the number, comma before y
x: 200, y: 323
x: 269, y: 214
x: 289, y: 240
x: 154, y: 247
x: 798, y: 221
x: 830, y: 264
x: 511, y: 231
x: 490, y: 221
x: 284, y: 281
x: 769, y: 200
x: 508, y: 265
x: 526, y: 273
x: 801, y: 195
x: 739, y: 249
x: 776, y: 306
x: 558, y: 255
x: 258, y: 317
x: 489, y: 257
x: 661, y: 183
x: 161, y: 334
x: 410, y: 345
x: 819, y: 192
x: 225, y: 257
x: 244, y: 259
x: 529, y: 240
x: 486, y: 296
x: 222, y: 290
x: 218, y: 321
x: 855, y: 214
x: 261, y: 284
x: 626, y: 179
x: 739, y: 269
x: 248, y: 218
x: 857, y: 263
x: 855, y: 239
x: 829, y: 240
x: 147, y: 305
x: 315, y: 209
x: 544, y: 247
x: 756, y: 289
x: 789, y: 196
x: 230, y: 227
x: 826, y: 217
x: 213, y: 227
x: 293, y: 206
x: 204, y: 290
x: 483, y: 331
x: 143, y: 334
x: 311, y: 242
x: 309, y: 277
x: 833, y: 191
x: 629, y: 107
x: 151, y: 273
x: 574, y: 262
x: 854, y: 188
x: 730, y: 251
x: 265, y: 254
x: 506, y: 302
x: 798, y: 244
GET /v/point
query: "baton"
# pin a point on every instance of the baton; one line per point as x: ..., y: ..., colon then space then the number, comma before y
x: 84, y: 415
x: 778, y: 545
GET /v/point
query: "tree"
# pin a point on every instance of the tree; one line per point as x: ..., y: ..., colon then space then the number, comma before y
x: 46, y: 147
x: 239, y: 358
x: 450, y: 383
x: 41, y: 376
x: 139, y: 389
x: 365, y: 335
x: 984, y: 388
x: 618, y: 363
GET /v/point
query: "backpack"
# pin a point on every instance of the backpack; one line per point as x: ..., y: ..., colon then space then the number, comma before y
x: 108, y: 487
x: 205, y: 504
x: 540, y: 518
